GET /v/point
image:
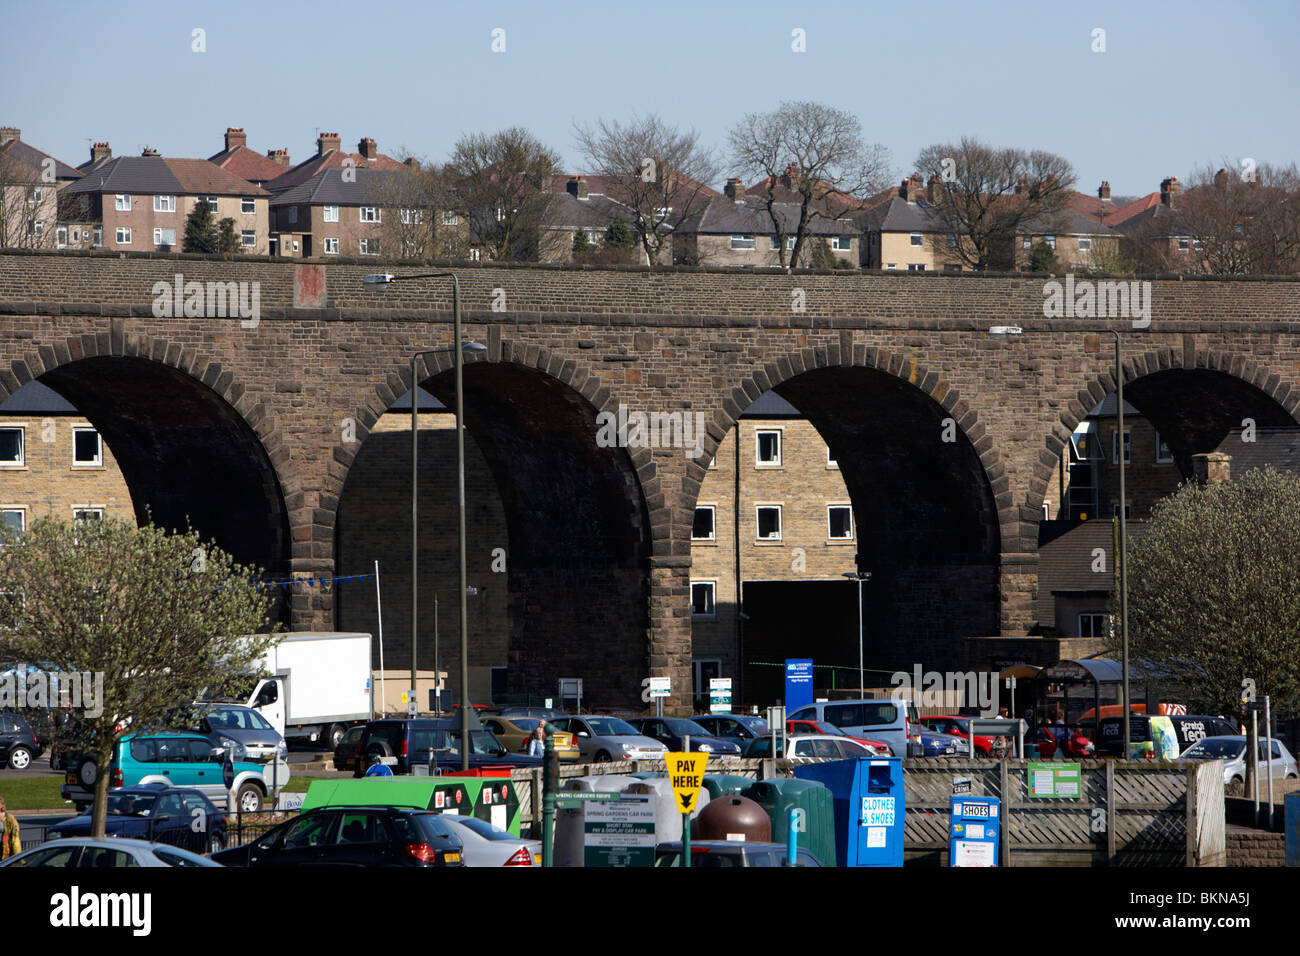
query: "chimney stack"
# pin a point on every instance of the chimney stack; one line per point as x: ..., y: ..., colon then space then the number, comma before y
x: 1168, y: 190
x: 412, y: 163
x: 911, y: 187
x: 100, y: 151
x: 1103, y: 191
x: 278, y: 156
x: 734, y: 190
x: 235, y: 137
x: 577, y: 187
x: 368, y: 149
x: 932, y: 189
x: 1221, y: 179
x: 1211, y: 468
x: 788, y: 177
x: 327, y: 141
x: 149, y: 151
x: 9, y: 132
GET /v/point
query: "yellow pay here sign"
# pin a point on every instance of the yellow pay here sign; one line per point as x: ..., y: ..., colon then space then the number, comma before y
x: 686, y: 774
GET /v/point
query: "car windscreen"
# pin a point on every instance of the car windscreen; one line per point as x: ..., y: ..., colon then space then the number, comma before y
x: 525, y: 723
x: 484, y: 829
x: 482, y: 741
x: 681, y: 727
x: 612, y: 727
x: 756, y: 725
x: 1221, y: 749
x: 131, y: 805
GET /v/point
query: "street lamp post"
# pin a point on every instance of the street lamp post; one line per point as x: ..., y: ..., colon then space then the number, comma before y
x: 1002, y: 331
x: 860, y: 576
x: 458, y: 348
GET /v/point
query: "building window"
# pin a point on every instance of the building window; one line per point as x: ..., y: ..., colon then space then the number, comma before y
x: 830, y: 458
x: 702, y: 529
x: 248, y: 206
x: 293, y: 214
x: 952, y: 267
x: 123, y: 236
x: 742, y: 242
x: 1198, y: 245
x: 80, y: 515
x: 839, y: 522
x: 917, y: 239
x: 330, y: 245
x: 916, y: 267
x: 11, y: 448
x: 1092, y: 625
x: 122, y: 202
x: 61, y: 236
x: 475, y: 255
x: 952, y: 240
x: 35, y: 194
x: 702, y: 603
x: 164, y: 203
x: 768, y: 523
x: 370, y: 214
x: 1051, y: 241
x: 331, y: 213
x: 842, y: 243
x: 450, y: 219
x: 1027, y: 242
x: 1128, y: 509
x: 1114, y: 446
x: 1047, y: 511
x: 98, y: 241
x: 1085, y: 245
x: 87, y: 449
x: 891, y: 265
x: 164, y: 237
x: 1164, y: 454
x: 412, y: 217
x: 15, y: 519
x: 214, y: 204
x: 248, y: 237
x: 767, y: 449
x: 1183, y: 244
x: 774, y: 244
x: 35, y: 227
x: 370, y: 247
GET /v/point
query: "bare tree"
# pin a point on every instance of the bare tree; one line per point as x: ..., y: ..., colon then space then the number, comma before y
x: 503, y: 180
x: 658, y: 171
x: 815, y: 152
x: 28, y: 204
x: 423, y: 219
x: 1244, y: 222
x: 987, y: 194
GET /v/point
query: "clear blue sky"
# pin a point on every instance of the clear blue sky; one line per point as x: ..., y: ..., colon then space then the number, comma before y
x: 1180, y: 84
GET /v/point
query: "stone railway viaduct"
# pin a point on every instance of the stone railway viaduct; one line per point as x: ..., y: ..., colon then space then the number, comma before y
x: 248, y: 430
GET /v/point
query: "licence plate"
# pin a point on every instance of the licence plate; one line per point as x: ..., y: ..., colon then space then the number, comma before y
x: 71, y: 778
x: 451, y: 857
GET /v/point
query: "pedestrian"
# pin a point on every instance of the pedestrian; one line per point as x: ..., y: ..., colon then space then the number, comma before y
x: 537, y: 741
x: 378, y: 768
x: 10, y: 838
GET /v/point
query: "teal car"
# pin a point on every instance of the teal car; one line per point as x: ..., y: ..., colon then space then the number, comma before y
x: 176, y: 760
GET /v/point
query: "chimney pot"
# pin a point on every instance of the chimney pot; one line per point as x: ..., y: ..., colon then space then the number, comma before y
x: 1168, y: 190
x: 327, y: 141
x: 734, y: 190
x: 149, y: 151
x: 10, y: 132
x: 280, y: 156
x: 1211, y: 468
x: 100, y: 151
x: 577, y: 187
x: 1103, y: 191
x: 235, y: 136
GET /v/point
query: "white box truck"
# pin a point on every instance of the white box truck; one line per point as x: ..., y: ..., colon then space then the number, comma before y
x: 320, y: 685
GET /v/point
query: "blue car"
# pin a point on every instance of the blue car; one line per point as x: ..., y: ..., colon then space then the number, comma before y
x: 935, y: 744
x: 738, y: 729
x: 180, y: 816
x: 670, y: 730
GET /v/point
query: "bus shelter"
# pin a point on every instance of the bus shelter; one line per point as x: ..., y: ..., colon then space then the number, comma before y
x: 1073, y: 695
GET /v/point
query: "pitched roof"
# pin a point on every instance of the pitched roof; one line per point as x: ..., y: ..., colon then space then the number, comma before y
x: 1093, y: 207
x: 1126, y: 212
x: 1066, y: 222
x: 35, y: 398
x: 899, y: 215
x: 156, y: 174
x: 328, y: 187
x: 331, y: 159
x: 833, y: 200
x: 248, y: 164
x: 687, y: 192
x: 566, y: 211
x: 722, y: 215
x: 1160, y: 219
x: 15, y: 150
x: 1276, y: 445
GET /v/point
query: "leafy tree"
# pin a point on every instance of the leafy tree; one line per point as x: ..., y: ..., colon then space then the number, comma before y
x: 1212, y: 593
x: 619, y: 235
x: 581, y: 244
x: 200, y: 230
x: 157, y: 617
x: 822, y: 257
x: 228, y: 241
x: 1042, y: 258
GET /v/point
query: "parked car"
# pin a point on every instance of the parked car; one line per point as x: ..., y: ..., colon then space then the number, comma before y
x: 347, y: 753
x: 936, y: 745
x: 488, y: 845
x: 602, y: 739
x: 156, y: 813
x: 719, y: 853
x: 353, y: 836
x: 1232, y: 751
x: 18, y: 743
x: 175, y: 758
x: 798, y: 728
x: 234, y: 725
x: 85, y: 853
x: 515, y: 731
x: 408, y: 742
x: 738, y: 729
x: 1190, y: 728
x: 672, y: 731
x: 809, y: 747
x: 885, y: 720
x: 959, y: 727
x: 548, y: 713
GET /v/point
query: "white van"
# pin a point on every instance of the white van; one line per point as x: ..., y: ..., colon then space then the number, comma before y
x: 884, y: 720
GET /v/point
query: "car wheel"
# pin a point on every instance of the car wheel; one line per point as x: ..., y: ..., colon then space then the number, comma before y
x: 603, y: 756
x: 249, y: 799
x: 88, y: 772
x: 379, y: 748
x: 20, y: 758
x: 334, y: 736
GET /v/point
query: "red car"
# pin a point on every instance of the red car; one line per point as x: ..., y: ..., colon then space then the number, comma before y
x: 959, y: 727
x: 796, y: 728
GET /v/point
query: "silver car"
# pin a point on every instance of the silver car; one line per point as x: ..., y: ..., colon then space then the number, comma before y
x: 111, y: 852
x: 486, y: 845
x: 601, y: 739
x: 234, y: 726
x: 1232, y: 751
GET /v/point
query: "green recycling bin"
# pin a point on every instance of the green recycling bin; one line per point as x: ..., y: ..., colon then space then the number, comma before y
x: 726, y: 784
x: 815, y: 816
